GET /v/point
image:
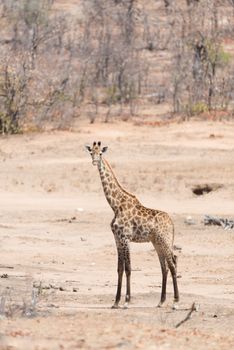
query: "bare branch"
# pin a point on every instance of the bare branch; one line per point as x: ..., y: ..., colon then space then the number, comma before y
x: 193, y: 308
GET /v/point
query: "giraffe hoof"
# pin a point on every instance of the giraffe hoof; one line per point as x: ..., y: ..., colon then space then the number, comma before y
x: 160, y: 304
x: 125, y: 306
x: 115, y: 306
x: 175, y: 306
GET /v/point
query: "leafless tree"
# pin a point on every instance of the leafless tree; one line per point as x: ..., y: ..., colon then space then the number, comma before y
x: 167, y: 3
x: 114, y: 63
x: 199, y: 60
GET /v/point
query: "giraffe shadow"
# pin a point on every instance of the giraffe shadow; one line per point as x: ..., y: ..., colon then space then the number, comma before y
x: 131, y: 307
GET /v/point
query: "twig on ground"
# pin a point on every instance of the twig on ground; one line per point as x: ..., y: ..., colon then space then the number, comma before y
x: 193, y: 308
x: 6, y: 267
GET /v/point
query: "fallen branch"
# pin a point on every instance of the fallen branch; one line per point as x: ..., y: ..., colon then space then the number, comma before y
x: 189, y: 315
x: 214, y: 220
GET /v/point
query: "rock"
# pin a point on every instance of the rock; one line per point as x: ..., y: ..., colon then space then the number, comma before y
x: 189, y: 220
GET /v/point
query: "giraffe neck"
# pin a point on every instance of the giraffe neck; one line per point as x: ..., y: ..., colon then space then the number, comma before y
x: 114, y: 192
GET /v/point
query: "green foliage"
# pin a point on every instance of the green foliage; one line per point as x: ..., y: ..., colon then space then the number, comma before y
x: 217, y: 55
x: 224, y: 57
x: 35, y: 12
x: 9, y: 124
x: 112, y: 94
x: 60, y: 96
x: 196, y: 108
x: 130, y: 91
x: 11, y: 96
x: 126, y: 94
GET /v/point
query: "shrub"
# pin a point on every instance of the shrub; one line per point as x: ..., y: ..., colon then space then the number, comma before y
x: 196, y: 108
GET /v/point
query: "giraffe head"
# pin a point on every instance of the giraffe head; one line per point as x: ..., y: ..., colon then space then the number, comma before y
x: 96, y: 152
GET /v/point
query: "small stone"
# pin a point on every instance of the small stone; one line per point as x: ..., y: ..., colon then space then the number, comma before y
x: 80, y: 209
x: 53, y: 305
x: 177, y: 247
x: 189, y: 220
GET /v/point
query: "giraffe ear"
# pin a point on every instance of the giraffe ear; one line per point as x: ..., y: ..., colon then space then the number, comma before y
x: 88, y: 148
x: 104, y: 149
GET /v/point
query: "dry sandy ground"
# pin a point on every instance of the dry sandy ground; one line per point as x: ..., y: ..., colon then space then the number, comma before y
x: 58, y: 256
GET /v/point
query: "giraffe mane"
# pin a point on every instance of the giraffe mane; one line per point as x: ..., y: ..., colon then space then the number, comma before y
x: 110, y: 168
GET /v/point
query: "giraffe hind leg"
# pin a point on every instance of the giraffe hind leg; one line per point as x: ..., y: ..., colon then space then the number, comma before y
x: 172, y: 263
x: 164, y: 269
x: 167, y: 260
x: 127, y: 266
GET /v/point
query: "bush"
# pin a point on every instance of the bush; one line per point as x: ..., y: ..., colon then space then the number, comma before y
x: 197, y: 108
x: 9, y: 124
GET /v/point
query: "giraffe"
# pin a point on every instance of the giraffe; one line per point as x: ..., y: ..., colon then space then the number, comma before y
x: 133, y: 222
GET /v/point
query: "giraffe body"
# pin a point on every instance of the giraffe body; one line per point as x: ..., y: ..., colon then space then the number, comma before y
x: 133, y: 222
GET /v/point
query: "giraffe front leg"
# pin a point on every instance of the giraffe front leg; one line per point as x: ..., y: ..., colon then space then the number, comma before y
x: 120, y: 278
